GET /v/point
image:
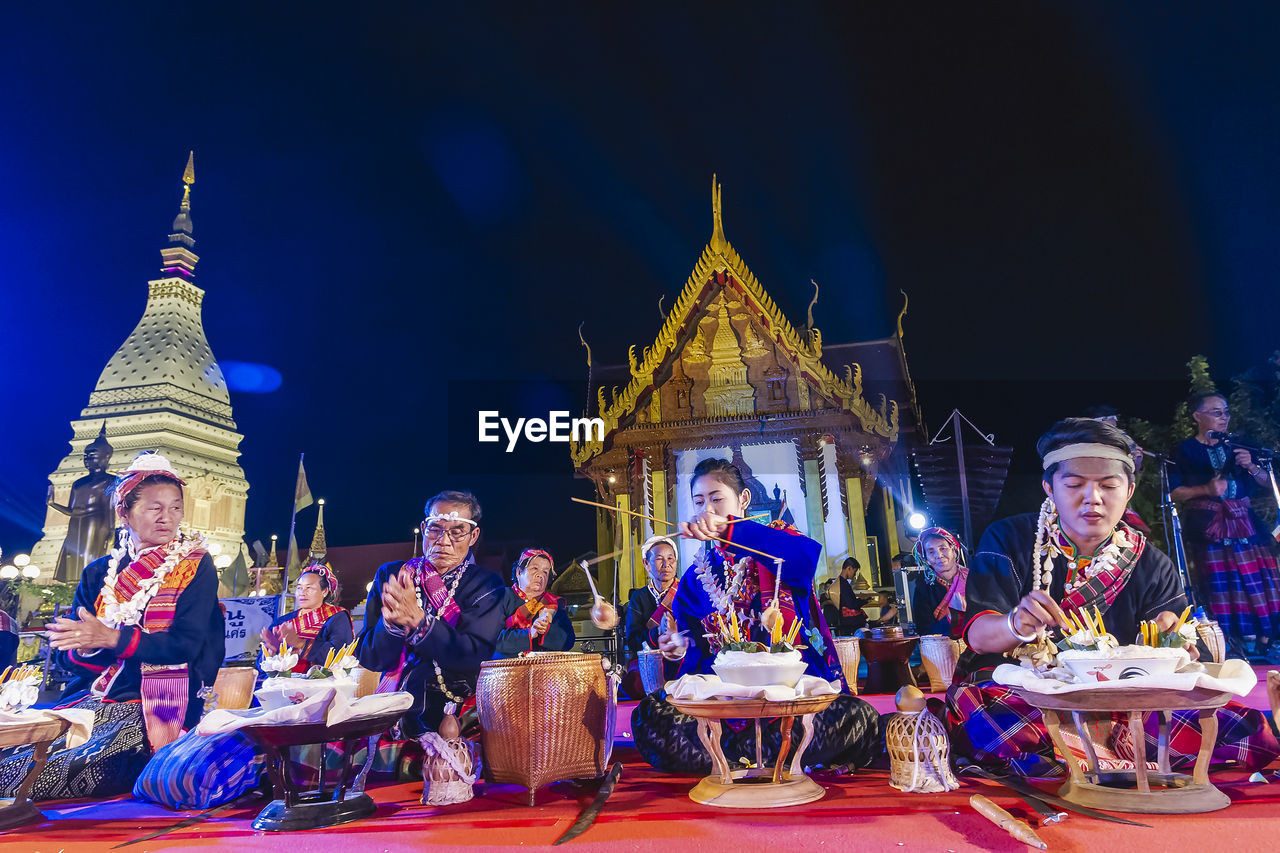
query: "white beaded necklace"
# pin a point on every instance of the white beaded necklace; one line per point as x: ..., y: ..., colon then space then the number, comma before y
x: 1047, y: 547
x: 423, y: 603
x: 721, y: 598
x: 116, y: 613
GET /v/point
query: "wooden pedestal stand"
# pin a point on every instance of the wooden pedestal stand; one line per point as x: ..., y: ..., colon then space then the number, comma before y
x: 40, y: 735
x: 759, y: 787
x: 1137, y: 791
x: 294, y: 809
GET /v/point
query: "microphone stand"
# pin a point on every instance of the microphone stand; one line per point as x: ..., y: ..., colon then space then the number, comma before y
x: 1266, y: 460
x: 1173, y: 528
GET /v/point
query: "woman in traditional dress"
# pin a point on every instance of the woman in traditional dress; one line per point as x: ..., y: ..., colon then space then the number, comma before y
x: 725, y: 578
x: 937, y: 602
x: 536, y: 620
x: 148, y: 635
x: 1075, y: 556
x: 648, y: 607
x: 1228, y: 544
x: 317, y: 626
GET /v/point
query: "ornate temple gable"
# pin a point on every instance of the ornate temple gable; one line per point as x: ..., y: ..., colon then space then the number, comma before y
x: 771, y: 339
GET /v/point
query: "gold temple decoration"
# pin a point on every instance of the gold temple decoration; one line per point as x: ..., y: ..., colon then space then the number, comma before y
x: 720, y: 268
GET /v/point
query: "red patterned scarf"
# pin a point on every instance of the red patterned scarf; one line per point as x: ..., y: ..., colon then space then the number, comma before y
x: 526, y: 613
x: 662, y: 608
x: 1101, y: 589
x: 165, y: 689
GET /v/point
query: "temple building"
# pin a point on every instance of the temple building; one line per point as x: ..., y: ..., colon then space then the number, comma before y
x: 729, y: 376
x: 163, y: 391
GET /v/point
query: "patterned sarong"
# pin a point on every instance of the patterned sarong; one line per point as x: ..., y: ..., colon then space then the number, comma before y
x: 994, y: 727
x: 1242, y: 587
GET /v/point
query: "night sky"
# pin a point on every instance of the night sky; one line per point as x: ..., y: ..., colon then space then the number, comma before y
x: 405, y: 203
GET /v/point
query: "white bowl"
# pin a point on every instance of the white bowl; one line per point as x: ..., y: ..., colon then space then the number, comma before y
x: 1123, y: 663
x: 761, y: 675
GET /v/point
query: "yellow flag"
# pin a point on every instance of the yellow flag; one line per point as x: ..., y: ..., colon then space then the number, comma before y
x: 301, y: 492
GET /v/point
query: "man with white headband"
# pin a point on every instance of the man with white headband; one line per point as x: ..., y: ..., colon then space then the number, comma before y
x: 1076, y: 557
x: 431, y: 621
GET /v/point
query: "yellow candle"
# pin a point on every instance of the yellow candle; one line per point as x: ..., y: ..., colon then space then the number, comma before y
x: 775, y: 635
x: 733, y: 623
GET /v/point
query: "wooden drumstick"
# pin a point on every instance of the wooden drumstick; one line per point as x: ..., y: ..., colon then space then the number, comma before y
x: 1010, y: 824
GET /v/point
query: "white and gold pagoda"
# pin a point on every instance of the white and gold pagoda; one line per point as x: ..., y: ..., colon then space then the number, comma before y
x: 163, y: 391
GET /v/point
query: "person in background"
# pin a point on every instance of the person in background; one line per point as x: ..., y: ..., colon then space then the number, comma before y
x: 536, y: 620
x: 1226, y: 541
x: 937, y: 601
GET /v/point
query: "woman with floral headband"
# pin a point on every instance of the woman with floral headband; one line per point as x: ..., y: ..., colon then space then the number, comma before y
x: 318, y: 625
x: 536, y: 620
x: 1077, y: 555
x: 147, y: 634
x: 938, y: 601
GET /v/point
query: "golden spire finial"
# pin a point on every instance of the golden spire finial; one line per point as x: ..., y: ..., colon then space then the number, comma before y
x: 903, y: 312
x: 717, y: 224
x: 189, y: 173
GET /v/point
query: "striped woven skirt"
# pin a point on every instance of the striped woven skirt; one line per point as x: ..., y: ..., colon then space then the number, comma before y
x: 105, y: 765
x: 1242, y: 587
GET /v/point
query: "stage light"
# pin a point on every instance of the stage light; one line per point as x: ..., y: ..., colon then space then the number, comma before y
x: 917, y: 521
x: 21, y: 560
x: 9, y: 573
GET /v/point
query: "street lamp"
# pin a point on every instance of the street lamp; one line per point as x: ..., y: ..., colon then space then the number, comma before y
x: 22, y: 560
x: 30, y: 571
x: 8, y: 573
x: 223, y: 560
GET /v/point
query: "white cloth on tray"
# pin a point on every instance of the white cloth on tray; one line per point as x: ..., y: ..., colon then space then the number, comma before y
x: 327, y: 705
x: 699, y: 687
x: 81, y: 720
x: 1236, y: 677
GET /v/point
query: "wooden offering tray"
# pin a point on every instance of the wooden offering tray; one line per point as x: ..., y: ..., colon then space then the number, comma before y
x: 294, y: 809
x: 759, y: 787
x: 20, y: 810
x: 1137, y: 791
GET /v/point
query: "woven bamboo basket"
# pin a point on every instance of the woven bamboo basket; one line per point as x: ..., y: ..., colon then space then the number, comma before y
x: 545, y: 718
x: 234, y: 686
x: 849, y: 653
x: 919, y: 753
x: 939, y: 655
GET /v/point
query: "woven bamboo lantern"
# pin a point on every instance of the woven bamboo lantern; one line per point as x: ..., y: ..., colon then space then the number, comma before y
x: 450, y: 765
x: 919, y: 751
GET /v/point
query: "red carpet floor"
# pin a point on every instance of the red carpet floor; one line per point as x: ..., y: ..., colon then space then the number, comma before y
x: 651, y: 811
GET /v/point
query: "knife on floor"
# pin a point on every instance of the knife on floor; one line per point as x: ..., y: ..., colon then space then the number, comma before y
x: 1023, y: 789
x: 588, y: 815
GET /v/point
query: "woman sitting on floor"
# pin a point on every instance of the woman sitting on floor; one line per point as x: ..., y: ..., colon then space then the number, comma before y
x: 725, y: 576
x: 318, y: 625
x: 148, y: 635
x: 536, y: 620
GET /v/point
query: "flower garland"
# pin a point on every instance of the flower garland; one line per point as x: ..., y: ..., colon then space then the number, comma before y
x: 720, y: 597
x: 1048, y: 545
x: 115, y: 612
x: 422, y: 603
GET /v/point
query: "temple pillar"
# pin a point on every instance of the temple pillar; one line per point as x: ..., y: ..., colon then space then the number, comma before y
x: 627, y: 562
x: 810, y: 454
x: 890, y: 523
x: 657, y: 504
x: 855, y: 509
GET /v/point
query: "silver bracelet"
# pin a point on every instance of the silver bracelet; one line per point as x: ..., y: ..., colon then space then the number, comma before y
x: 1008, y: 621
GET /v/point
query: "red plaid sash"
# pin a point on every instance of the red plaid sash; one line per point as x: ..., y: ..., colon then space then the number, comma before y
x: 1101, y: 589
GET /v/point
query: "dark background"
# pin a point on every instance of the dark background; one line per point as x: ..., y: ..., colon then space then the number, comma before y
x: 1076, y: 196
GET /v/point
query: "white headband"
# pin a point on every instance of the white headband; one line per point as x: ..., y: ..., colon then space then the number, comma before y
x: 656, y: 540
x: 1093, y: 451
x: 452, y: 515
